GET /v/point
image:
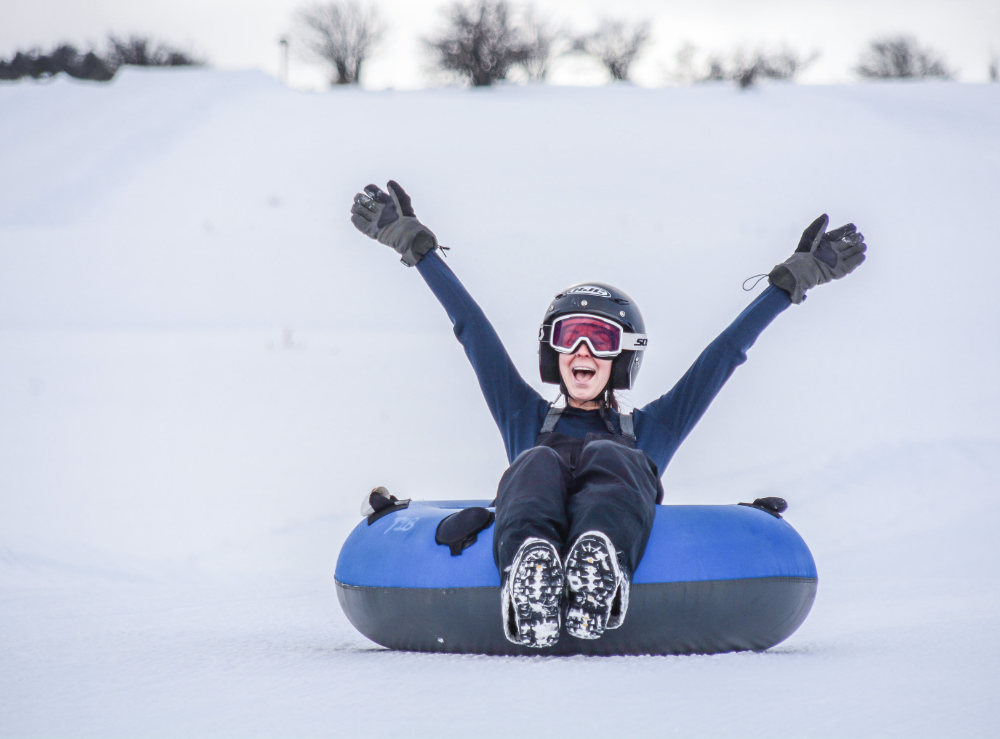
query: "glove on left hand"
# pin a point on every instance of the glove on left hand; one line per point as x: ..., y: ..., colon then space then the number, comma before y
x: 820, y: 257
x: 390, y: 220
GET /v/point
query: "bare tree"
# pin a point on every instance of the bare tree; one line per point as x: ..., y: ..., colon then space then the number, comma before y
x: 785, y: 64
x: 746, y: 68
x: 540, y: 36
x: 481, y: 42
x: 994, y: 68
x: 688, y: 70
x: 341, y: 34
x: 616, y: 44
x: 716, y: 70
x: 142, y: 51
x: 900, y: 57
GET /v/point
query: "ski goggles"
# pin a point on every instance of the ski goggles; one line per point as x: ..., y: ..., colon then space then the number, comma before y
x: 603, y: 337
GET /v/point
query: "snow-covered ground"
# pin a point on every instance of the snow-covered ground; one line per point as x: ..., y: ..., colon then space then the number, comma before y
x: 203, y: 368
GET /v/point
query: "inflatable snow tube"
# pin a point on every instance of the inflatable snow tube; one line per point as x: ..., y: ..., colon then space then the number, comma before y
x: 713, y: 579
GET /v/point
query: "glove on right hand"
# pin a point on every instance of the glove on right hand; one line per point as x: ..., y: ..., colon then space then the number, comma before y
x: 390, y: 220
x: 819, y: 258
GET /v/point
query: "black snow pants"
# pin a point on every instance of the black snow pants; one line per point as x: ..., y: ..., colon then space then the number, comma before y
x: 566, y: 486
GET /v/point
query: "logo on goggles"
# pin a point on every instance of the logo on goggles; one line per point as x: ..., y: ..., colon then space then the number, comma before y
x: 589, y: 290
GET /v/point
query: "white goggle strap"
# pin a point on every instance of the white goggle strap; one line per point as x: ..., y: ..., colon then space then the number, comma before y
x: 634, y: 342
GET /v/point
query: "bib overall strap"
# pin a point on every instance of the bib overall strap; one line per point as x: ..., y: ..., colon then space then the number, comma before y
x: 628, y: 429
x: 551, y: 419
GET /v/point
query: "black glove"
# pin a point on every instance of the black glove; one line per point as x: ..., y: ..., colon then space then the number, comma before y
x: 820, y: 257
x: 390, y: 219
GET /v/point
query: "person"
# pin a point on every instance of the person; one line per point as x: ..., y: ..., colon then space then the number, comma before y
x: 575, y: 507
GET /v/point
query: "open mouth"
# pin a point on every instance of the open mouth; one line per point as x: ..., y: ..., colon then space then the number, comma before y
x: 583, y: 374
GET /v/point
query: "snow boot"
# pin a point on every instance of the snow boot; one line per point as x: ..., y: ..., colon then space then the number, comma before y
x: 598, y: 589
x: 531, y: 600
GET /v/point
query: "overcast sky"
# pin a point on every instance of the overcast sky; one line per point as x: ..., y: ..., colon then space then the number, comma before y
x: 242, y: 34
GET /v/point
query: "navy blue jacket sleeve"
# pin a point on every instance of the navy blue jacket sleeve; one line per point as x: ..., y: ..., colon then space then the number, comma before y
x: 662, y: 425
x: 517, y: 407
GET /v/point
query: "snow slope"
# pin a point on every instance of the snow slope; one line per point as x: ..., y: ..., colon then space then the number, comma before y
x: 203, y: 367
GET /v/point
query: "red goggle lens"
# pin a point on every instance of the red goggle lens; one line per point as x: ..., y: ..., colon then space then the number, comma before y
x: 603, y: 336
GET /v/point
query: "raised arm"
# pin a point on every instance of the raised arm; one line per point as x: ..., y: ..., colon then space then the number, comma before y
x: 819, y: 258
x: 389, y: 218
x: 677, y: 412
x: 512, y: 401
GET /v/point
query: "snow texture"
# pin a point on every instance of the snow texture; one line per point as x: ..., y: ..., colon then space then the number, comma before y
x: 204, y: 368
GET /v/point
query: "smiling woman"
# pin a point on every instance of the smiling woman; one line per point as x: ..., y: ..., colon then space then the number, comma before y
x: 575, y: 509
x: 595, y: 329
x: 584, y: 378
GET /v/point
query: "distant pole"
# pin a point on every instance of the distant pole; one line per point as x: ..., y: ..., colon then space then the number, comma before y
x: 283, y: 72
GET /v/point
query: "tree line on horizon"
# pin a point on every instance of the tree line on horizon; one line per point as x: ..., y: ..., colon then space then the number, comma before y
x: 481, y: 42
x: 134, y: 50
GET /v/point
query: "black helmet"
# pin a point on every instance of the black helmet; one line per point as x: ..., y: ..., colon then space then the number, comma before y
x: 599, y: 299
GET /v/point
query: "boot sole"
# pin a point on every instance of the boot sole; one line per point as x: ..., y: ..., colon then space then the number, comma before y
x: 592, y: 578
x: 536, y: 588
